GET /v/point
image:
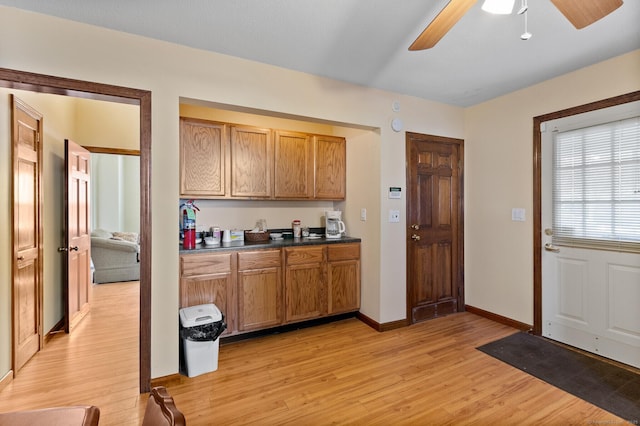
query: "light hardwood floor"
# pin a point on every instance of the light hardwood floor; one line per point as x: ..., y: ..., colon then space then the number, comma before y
x: 339, y: 373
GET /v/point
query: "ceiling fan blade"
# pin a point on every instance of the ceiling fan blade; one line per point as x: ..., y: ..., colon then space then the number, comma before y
x: 582, y: 13
x: 442, y: 23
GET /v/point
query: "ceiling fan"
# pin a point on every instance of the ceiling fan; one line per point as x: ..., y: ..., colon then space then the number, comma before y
x: 580, y: 13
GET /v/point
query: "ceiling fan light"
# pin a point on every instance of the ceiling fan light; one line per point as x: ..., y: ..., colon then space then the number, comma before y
x: 498, y: 7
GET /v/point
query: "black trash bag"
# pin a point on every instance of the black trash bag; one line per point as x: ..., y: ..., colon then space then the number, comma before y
x: 204, y: 332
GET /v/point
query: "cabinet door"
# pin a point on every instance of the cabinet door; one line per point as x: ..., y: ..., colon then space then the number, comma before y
x: 293, y: 171
x: 208, y: 289
x: 251, y: 162
x: 344, y: 286
x: 330, y: 154
x: 305, y: 283
x: 343, y: 276
x: 203, y: 146
x: 259, y: 289
x: 209, y: 278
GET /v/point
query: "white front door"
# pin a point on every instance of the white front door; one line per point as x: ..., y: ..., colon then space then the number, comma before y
x: 590, y: 297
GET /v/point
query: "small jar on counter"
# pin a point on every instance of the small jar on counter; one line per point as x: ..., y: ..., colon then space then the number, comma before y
x: 297, y: 228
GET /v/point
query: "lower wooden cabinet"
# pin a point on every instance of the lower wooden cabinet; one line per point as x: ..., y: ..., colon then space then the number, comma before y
x: 343, y: 278
x: 209, y: 278
x: 259, y: 289
x: 265, y: 288
x: 305, y: 283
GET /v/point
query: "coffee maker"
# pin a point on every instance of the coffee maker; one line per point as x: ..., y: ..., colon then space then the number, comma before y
x: 334, y: 226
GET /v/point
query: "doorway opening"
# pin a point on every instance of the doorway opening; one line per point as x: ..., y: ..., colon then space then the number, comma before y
x: 142, y: 98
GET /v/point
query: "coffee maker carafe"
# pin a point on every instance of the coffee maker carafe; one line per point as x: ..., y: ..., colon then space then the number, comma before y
x: 334, y: 226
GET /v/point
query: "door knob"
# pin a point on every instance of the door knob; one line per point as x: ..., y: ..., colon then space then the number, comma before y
x: 551, y: 247
x: 415, y: 226
x: 20, y: 257
x: 63, y: 249
x: 415, y: 237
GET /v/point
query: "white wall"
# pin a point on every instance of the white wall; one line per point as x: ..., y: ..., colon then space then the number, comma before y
x: 115, y: 192
x: 107, y: 124
x: 499, y: 176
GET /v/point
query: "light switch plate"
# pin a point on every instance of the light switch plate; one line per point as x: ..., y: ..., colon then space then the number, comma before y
x: 363, y: 215
x: 394, y: 216
x: 518, y: 215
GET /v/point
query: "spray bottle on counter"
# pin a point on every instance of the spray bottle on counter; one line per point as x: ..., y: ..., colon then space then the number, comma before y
x: 189, y: 224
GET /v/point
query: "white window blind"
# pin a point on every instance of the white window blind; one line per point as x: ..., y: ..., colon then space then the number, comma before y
x: 596, y: 186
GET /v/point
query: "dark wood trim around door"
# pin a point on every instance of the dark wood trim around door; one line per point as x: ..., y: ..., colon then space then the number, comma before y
x: 537, y: 189
x: 89, y: 90
x: 115, y: 151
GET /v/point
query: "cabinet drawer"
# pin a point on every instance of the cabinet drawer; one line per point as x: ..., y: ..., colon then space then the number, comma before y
x: 302, y: 255
x: 258, y: 259
x: 204, y: 264
x: 343, y: 252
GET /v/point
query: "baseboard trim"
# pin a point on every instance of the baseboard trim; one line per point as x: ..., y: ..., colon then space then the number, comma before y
x: 381, y: 327
x: 499, y: 318
x: 170, y: 380
x: 58, y: 328
x: 8, y: 378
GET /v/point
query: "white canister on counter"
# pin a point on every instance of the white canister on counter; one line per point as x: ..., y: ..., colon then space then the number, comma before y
x: 297, y: 228
x: 216, y: 232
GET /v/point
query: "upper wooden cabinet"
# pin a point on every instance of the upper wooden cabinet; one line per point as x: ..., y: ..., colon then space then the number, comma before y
x: 251, y: 162
x: 203, y: 148
x: 330, y: 167
x: 222, y: 160
x: 293, y: 173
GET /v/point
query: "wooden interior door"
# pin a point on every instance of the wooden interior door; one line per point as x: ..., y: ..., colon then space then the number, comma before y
x: 77, y: 234
x: 435, y: 223
x: 27, y: 233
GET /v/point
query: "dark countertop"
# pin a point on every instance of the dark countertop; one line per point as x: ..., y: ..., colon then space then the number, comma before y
x: 250, y: 245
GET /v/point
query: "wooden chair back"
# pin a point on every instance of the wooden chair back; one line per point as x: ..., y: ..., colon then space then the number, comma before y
x: 161, y: 410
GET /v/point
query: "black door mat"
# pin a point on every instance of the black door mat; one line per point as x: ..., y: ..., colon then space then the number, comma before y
x: 603, y: 384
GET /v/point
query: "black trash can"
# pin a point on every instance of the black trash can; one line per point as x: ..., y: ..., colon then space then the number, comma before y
x: 200, y: 327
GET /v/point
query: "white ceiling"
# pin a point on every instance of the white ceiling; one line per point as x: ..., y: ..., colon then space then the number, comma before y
x: 366, y: 41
